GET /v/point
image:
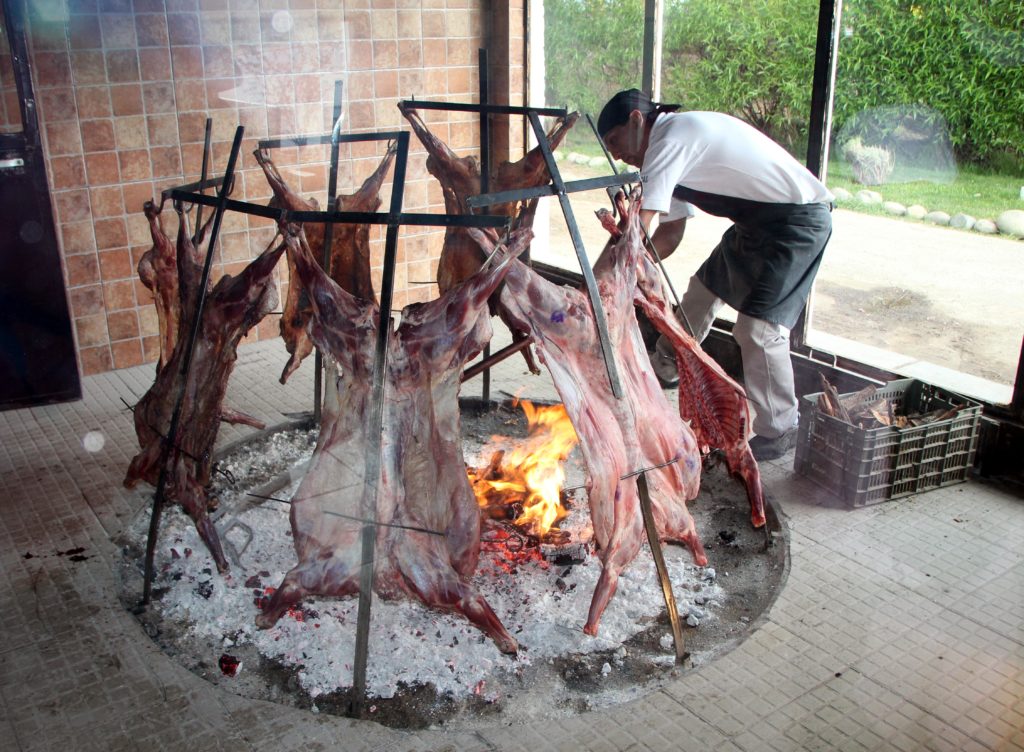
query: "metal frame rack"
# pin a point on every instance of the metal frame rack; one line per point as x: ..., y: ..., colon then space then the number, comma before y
x: 393, y: 219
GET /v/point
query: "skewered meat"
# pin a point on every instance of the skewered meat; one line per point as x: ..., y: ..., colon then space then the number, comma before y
x: 460, y: 178
x: 349, y: 263
x: 715, y: 405
x: 617, y: 437
x: 712, y: 403
x: 232, y: 308
x: 428, y: 534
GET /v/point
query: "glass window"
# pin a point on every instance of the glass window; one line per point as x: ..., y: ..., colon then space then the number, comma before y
x: 592, y: 49
x: 922, y: 276
x: 925, y: 155
x: 754, y: 61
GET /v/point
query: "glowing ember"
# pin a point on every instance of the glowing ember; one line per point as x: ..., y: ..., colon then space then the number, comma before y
x: 524, y: 477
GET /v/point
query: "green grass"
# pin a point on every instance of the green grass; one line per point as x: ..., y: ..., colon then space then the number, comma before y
x: 982, y: 195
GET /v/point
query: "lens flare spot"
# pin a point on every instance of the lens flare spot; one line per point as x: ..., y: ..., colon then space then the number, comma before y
x: 93, y: 441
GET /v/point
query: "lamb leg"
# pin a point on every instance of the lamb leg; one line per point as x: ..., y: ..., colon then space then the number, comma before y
x: 330, y: 578
x: 296, y: 311
x: 423, y: 562
x: 350, y: 242
x: 158, y: 272
x: 628, y: 541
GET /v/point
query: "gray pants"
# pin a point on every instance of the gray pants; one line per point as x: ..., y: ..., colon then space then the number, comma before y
x: 764, y: 347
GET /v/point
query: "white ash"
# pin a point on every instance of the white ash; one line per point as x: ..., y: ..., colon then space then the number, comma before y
x: 543, y: 605
x: 256, y: 462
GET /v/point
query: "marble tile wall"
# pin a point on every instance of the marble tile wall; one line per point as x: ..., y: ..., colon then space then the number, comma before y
x: 124, y: 89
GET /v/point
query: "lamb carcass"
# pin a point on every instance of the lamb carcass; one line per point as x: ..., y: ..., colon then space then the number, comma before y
x: 712, y: 403
x: 428, y: 534
x: 349, y: 264
x: 617, y: 436
x: 232, y: 308
x: 460, y: 178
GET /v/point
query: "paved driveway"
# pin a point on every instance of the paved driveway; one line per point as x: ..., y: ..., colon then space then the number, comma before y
x: 928, y: 293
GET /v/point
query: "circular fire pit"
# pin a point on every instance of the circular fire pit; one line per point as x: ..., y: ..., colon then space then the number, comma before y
x: 429, y: 668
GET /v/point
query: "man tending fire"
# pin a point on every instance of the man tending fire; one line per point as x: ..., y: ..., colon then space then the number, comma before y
x: 765, y: 263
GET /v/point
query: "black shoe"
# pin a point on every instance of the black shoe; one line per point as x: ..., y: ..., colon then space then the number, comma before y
x: 771, y: 449
x: 665, y: 369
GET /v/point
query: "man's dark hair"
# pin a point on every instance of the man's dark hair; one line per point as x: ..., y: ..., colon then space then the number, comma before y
x: 616, y: 112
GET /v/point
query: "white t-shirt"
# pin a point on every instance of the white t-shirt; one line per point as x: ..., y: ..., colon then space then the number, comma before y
x: 719, y: 154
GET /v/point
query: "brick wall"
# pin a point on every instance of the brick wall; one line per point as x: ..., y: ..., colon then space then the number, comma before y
x: 124, y: 89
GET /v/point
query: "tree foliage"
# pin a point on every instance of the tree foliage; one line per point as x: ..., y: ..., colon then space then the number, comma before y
x: 593, y: 48
x: 907, y: 69
x: 955, y: 66
x: 750, y: 58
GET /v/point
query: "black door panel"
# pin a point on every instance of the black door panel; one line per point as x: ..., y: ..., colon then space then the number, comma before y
x: 37, y: 348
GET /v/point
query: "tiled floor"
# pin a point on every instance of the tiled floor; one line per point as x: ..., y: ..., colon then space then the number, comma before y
x: 900, y: 627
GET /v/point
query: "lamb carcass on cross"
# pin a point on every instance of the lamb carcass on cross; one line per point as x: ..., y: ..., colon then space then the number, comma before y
x: 232, y: 308
x: 713, y: 404
x: 349, y: 260
x: 460, y: 178
x: 428, y: 534
x: 617, y: 436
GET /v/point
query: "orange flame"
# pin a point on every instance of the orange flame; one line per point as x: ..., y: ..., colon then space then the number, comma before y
x: 531, y: 472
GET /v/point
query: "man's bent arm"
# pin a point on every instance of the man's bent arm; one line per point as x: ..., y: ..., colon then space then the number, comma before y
x: 667, y: 236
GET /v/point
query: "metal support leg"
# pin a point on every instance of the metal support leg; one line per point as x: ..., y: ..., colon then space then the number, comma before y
x: 374, y: 435
x: 485, y: 183
x: 659, y: 563
x: 332, y: 194
x: 581, y: 254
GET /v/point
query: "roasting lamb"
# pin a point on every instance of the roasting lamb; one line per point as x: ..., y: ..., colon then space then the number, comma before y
x: 617, y: 436
x: 460, y: 178
x: 428, y: 534
x: 232, y: 308
x: 349, y: 264
x: 712, y: 403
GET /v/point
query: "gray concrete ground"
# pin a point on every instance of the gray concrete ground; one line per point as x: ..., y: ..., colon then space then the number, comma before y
x: 900, y: 627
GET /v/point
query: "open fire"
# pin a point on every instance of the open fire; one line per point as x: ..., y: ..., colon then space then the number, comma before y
x: 523, y: 479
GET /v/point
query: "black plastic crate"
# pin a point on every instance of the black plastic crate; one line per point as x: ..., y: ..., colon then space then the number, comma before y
x: 865, y: 467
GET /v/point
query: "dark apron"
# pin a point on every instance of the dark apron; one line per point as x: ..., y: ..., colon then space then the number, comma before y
x: 766, y: 262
